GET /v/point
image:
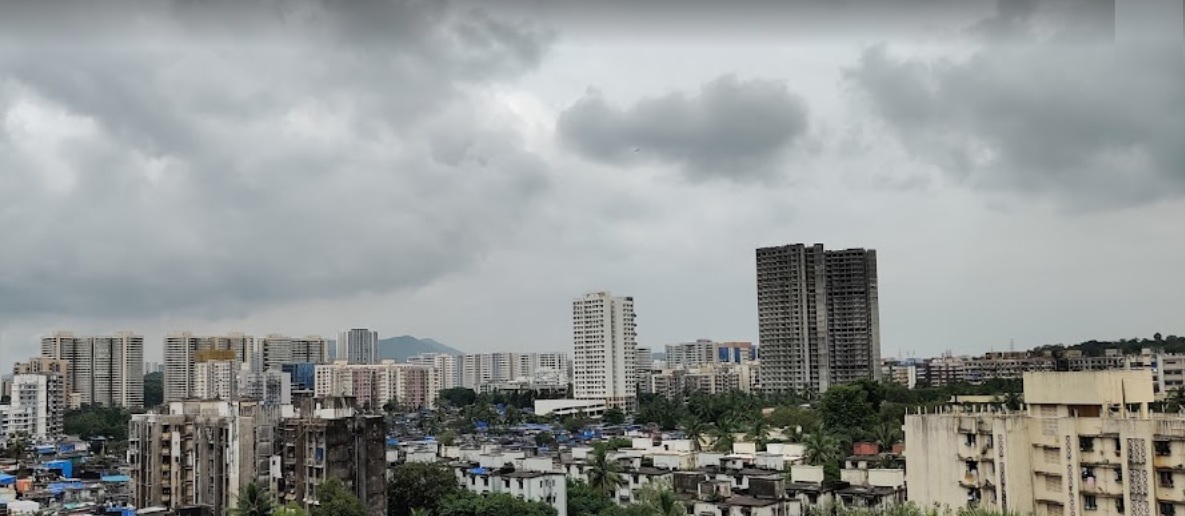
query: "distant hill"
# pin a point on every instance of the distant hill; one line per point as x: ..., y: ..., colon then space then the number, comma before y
x: 399, y: 348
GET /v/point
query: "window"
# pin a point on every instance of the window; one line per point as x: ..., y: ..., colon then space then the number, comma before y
x: 1166, y: 509
x: 1086, y: 444
x: 1163, y: 448
x: 1090, y: 503
x: 1119, y: 505
x: 1166, y: 478
x: 1119, y: 475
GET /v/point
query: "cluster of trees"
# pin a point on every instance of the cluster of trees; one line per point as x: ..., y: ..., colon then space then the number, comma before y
x: 1170, y: 344
x: 335, y: 500
x: 154, y: 389
x: 420, y: 489
x: 98, y: 421
x: 827, y: 425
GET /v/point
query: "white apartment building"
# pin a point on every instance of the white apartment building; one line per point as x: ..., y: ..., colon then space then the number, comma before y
x: 184, y: 350
x: 375, y: 385
x: 446, y: 367
x: 103, y: 370
x: 691, y: 354
x: 34, y: 406
x: 216, y: 379
x: 358, y: 346
x: 1085, y: 444
x: 277, y: 350
x: 604, y: 344
x: 550, y: 487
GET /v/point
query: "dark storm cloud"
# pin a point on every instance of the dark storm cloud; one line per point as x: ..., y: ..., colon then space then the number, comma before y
x: 1093, y: 124
x: 157, y: 161
x: 730, y: 129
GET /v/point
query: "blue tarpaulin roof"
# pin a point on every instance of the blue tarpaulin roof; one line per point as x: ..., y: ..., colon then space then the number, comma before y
x: 6, y: 479
x: 391, y: 441
x: 480, y: 471
x: 116, y: 478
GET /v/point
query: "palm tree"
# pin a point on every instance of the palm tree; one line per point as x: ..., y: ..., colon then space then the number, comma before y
x: 659, y: 497
x: 723, y: 438
x: 695, y: 430
x: 759, y: 432
x: 1175, y: 400
x: 254, y: 501
x: 886, y: 435
x: 604, y: 474
x: 822, y: 448
x: 1012, y: 400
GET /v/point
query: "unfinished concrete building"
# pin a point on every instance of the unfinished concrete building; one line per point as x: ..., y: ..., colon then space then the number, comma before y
x: 330, y: 439
x: 200, y: 453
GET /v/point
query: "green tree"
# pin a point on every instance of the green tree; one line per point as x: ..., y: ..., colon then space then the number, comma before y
x: 333, y: 499
x: 886, y: 435
x: 465, y: 503
x: 659, y: 497
x: 613, y: 416
x: 418, y: 485
x: 696, y: 430
x: 448, y: 438
x: 604, y: 474
x: 98, y: 420
x: 846, y: 409
x: 290, y: 510
x: 821, y: 447
x: 17, y: 446
x: 544, y: 439
x: 154, y: 389
x: 617, y: 443
x: 459, y: 397
x: 585, y: 501
x: 254, y: 501
x: 793, y: 417
x: 758, y: 432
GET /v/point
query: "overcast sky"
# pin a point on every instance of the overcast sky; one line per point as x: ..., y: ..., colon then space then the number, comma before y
x: 457, y: 173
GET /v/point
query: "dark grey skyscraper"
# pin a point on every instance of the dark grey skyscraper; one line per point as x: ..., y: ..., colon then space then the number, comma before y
x: 818, y: 318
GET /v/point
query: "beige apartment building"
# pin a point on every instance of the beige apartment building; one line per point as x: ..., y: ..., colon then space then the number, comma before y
x: 1086, y: 444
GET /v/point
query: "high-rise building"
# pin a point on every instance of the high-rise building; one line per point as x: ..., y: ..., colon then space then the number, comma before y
x: 57, y: 384
x: 604, y: 341
x: 375, y: 385
x: 184, y: 350
x: 691, y: 354
x: 215, y: 379
x: 277, y: 350
x: 818, y: 317
x: 330, y: 439
x: 34, y: 407
x: 358, y: 346
x: 103, y: 370
x: 201, y: 453
x: 445, y: 365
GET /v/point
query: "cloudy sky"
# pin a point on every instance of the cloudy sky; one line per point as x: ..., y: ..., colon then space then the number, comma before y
x: 446, y: 171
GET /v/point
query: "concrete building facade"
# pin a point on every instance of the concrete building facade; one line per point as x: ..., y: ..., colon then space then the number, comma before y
x: 604, y: 335
x: 358, y: 346
x: 375, y: 385
x: 330, y: 439
x: 1085, y: 444
x: 818, y: 317
x: 104, y: 370
x: 277, y: 350
x: 184, y: 350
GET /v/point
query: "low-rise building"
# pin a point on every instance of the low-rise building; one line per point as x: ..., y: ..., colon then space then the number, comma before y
x: 1086, y: 441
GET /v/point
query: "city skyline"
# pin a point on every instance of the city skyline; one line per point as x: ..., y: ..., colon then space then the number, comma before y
x: 502, y: 173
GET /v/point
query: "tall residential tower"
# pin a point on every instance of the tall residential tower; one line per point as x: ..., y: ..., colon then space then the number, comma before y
x: 604, y: 342
x: 818, y: 317
x: 102, y: 370
x: 358, y: 346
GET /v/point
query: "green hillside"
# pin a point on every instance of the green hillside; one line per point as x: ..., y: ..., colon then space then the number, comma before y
x: 399, y: 348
